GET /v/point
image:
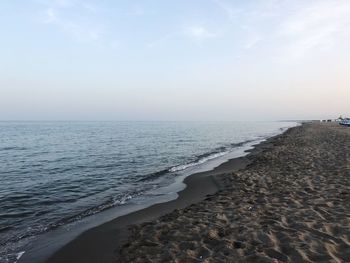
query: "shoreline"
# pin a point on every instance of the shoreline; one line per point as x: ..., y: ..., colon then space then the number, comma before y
x: 100, y: 243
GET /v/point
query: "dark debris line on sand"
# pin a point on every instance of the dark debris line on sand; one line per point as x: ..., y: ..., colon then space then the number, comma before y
x: 292, y: 204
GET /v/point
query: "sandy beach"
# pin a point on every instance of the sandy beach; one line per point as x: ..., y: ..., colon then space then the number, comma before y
x: 292, y: 204
x: 288, y: 201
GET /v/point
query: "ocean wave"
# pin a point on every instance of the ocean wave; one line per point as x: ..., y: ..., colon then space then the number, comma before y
x: 201, y: 160
x: 197, y: 160
x: 36, y: 230
x: 153, y: 176
x: 11, y: 148
x: 119, y: 200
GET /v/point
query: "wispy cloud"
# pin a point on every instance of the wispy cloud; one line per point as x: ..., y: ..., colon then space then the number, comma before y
x: 194, y: 32
x: 252, y: 41
x: 229, y: 9
x: 318, y: 26
x: 295, y: 29
x: 54, y: 14
x: 288, y: 28
x: 199, y: 32
x: 50, y: 16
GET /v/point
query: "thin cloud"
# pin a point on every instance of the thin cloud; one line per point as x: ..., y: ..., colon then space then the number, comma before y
x: 231, y: 11
x: 199, y: 32
x: 319, y: 26
x: 252, y: 42
x: 50, y: 16
x: 55, y: 16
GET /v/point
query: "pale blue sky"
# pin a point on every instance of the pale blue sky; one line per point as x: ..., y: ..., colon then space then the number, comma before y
x: 174, y: 60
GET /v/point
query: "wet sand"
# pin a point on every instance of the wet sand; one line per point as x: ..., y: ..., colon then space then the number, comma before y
x: 291, y: 204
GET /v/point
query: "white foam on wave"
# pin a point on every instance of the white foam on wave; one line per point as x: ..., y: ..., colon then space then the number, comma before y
x: 12, y: 257
x: 122, y: 200
x: 200, y: 161
x: 19, y: 255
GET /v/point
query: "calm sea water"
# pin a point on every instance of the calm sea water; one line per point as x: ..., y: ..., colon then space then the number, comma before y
x: 54, y: 173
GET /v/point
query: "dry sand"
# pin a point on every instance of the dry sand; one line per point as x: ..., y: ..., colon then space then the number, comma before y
x: 291, y: 204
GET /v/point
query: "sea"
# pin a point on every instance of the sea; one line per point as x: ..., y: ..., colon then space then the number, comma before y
x: 54, y: 174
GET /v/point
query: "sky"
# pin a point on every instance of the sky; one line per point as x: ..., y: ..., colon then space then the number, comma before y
x: 191, y: 60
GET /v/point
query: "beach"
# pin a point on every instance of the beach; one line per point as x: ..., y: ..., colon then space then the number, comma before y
x: 175, y: 131
x: 287, y: 201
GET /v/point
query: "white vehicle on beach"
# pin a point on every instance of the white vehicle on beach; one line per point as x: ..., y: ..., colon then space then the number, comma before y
x: 345, y: 122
